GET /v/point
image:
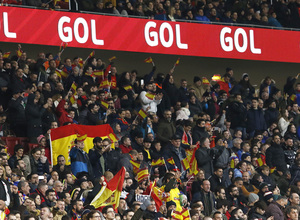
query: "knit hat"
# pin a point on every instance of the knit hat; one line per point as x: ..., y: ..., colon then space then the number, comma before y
x: 39, y: 138
x: 245, y: 75
x: 268, y: 195
x: 253, y: 198
x: 197, y: 78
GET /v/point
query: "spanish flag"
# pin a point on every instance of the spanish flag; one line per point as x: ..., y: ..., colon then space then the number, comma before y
x: 111, y: 192
x: 80, y: 62
x: 142, y: 174
x: 73, y: 87
x: 260, y: 162
x: 46, y: 64
x: 92, y: 54
x: 171, y: 161
x: 193, y: 166
x: 63, y: 46
x: 272, y: 169
x: 185, y: 164
x: 98, y: 73
x: 293, y: 97
x: 136, y: 166
x: 73, y: 98
x: 142, y: 114
x: 62, y: 138
x: 216, y: 78
x: 128, y: 88
x: 112, y: 58
x: 177, y: 62
x: 104, y: 84
x: 148, y: 60
x: 150, y: 95
x: 19, y: 52
x: 158, y: 162
x: 205, y: 81
x: 5, y: 55
x: 184, y: 214
x: 104, y: 104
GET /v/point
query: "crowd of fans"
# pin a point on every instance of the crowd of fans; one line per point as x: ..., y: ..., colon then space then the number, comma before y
x: 276, y: 13
x: 244, y: 140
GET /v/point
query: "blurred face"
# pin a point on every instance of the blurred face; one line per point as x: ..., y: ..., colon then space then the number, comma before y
x: 61, y: 205
x: 295, y: 199
x: 110, y: 214
x: 206, y: 186
x: 219, y: 173
x: 176, y: 143
x: 222, y: 194
x: 293, y: 215
x: 276, y: 139
x: 246, y: 176
x: 254, y: 103
x: 235, y: 192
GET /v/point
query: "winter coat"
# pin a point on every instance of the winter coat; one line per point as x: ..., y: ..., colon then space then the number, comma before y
x: 256, y: 120
x: 34, y: 115
x: 204, y: 160
x: 271, y: 116
x: 274, y: 209
x: 165, y: 131
x: 237, y: 114
x: 198, y: 133
x: 275, y: 157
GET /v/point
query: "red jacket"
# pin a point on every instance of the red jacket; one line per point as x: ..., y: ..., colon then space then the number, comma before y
x: 125, y: 150
x: 63, y: 115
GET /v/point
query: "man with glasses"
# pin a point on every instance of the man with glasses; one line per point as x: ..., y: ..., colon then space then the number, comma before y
x: 108, y: 212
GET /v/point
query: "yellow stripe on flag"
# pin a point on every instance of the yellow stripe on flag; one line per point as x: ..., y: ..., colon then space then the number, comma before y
x: 158, y: 162
x: 110, y: 194
x: 142, y: 114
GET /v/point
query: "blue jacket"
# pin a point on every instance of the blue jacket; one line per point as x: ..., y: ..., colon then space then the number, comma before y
x: 169, y: 152
x: 80, y: 161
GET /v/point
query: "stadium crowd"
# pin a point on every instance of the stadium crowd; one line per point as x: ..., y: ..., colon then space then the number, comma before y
x: 279, y: 13
x: 243, y: 142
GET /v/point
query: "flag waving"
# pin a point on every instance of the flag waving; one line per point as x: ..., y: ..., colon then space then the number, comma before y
x: 62, y: 138
x: 148, y: 60
x: 111, y: 192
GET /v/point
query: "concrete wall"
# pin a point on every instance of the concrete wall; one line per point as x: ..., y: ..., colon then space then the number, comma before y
x: 188, y: 67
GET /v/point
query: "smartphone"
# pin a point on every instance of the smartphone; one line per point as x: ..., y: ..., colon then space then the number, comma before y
x: 142, y: 82
x: 41, y: 177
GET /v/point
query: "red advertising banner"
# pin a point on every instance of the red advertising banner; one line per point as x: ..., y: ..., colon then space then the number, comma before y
x: 34, y: 26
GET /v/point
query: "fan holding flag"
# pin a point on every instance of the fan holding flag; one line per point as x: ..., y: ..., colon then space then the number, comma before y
x: 149, y: 99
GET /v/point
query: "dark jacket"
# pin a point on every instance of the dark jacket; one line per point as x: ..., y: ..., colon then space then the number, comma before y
x: 237, y: 114
x: 177, y: 156
x: 271, y: 116
x: 204, y: 160
x: 165, y: 131
x: 198, y: 133
x: 113, y: 157
x: 274, y: 209
x: 34, y: 115
x: 256, y: 120
x: 94, y: 156
x: 215, y: 182
x: 275, y: 157
x: 38, y: 167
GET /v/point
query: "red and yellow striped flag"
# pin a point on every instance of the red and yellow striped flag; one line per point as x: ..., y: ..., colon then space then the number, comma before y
x: 112, y: 58
x: 142, y: 114
x: 260, y: 162
x: 92, y: 54
x: 193, y: 166
x: 63, y: 46
x: 128, y: 88
x: 111, y: 192
x: 142, y: 174
x: 272, y: 169
x: 73, y: 87
x: 80, y: 62
x: 171, y: 161
x: 293, y: 97
x: 148, y: 60
x: 205, y: 81
x: 104, y: 104
x: 158, y: 162
x: 73, y: 98
x: 177, y: 62
x: 62, y: 138
x: 98, y: 73
x: 19, y: 52
x: 150, y: 96
x: 6, y: 55
x: 185, y: 164
x: 216, y: 78
x: 104, y: 84
x: 136, y: 166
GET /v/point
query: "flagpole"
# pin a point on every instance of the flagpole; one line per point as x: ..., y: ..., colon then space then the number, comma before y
x: 165, y: 164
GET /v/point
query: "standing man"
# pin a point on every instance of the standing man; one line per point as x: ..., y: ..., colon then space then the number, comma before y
x: 79, y: 158
x: 166, y: 128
